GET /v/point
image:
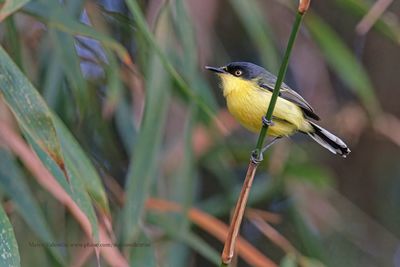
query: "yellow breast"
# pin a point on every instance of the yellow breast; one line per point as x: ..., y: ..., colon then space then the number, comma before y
x: 248, y: 104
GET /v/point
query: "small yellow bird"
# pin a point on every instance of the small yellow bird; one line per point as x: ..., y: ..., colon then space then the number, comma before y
x: 248, y: 88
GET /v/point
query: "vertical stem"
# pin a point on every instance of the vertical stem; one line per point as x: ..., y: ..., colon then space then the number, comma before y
x: 230, y: 242
x: 237, y: 217
x: 279, y: 81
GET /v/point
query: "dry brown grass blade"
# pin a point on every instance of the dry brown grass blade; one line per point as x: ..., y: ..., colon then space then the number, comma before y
x: 85, y: 253
x: 216, y: 228
x: 21, y: 149
x: 265, y: 215
x: 271, y: 233
x: 111, y: 254
x: 372, y: 16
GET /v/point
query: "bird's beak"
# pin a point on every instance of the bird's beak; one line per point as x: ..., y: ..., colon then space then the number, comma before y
x: 217, y: 70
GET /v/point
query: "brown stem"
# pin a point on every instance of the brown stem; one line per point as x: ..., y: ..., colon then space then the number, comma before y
x: 237, y: 217
x: 303, y: 6
x: 265, y: 215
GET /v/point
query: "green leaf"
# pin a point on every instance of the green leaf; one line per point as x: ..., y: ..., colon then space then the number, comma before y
x: 201, y: 247
x: 84, y: 167
x: 56, y: 17
x: 309, y: 262
x: 35, y: 120
x: 9, y: 255
x: 76, y: 188
x: 180, y: 82
x: 10, y: 6
x: 316, y: 175
x: 188, y: 60
x: 311, y: 242
x: 144, y: 255
x: 142, y: 169
x: 221, y: 204
x: 144, y: 157
x: 29, y: 108
x: 178, y: 253
x: 126, y: 128
x: 65, y: 51
x: 81, y: 196
x: 253, y: 19
x: 288, y: 261
x: 67, y: 58
x: 183, y: 181
x: 12, y: 41
x: 54, y: 76
x: 182, y: 237
x: 12, y: 181
x: 342, y: 61
x: 114, y: 84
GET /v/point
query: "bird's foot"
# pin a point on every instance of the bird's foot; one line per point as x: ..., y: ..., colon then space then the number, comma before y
x: 256, y: 157
x: 270, y: 144
x: 267, y: 122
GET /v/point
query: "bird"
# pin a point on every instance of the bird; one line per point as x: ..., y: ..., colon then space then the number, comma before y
x: 248, y: 89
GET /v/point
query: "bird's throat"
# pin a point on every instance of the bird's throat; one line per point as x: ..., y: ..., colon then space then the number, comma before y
x: 231, y: 84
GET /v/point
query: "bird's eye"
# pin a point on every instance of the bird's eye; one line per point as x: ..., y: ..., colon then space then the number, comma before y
x: 238, y: 73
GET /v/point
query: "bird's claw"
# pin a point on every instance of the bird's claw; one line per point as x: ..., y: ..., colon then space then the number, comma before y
x: 267, y: 122
x: 256, y: 157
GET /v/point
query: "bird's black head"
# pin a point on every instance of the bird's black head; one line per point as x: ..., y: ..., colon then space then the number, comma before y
x: 244, y: 70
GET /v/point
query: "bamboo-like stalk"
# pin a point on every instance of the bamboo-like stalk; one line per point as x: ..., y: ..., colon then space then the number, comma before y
x: 279, y: 81
x: 237, y: 217
x: 230, y: 243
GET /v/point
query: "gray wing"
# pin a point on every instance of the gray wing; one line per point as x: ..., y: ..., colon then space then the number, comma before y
x: 268, y: 83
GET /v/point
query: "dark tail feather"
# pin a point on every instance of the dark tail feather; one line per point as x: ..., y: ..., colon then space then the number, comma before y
x: 328, y: 140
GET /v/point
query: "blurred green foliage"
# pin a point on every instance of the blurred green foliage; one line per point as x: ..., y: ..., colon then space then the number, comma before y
x: 113, y: 98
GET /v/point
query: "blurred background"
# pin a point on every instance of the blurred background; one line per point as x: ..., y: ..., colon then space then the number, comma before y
x: 133, y: 148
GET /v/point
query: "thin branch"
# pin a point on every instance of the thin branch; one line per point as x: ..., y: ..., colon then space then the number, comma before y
x: 372, y: 16
x: 230, y: 242
x: 237, y: 217
x: 272, y: 234
x: 265, y: 215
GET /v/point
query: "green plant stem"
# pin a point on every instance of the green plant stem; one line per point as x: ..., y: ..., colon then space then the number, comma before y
x: 230, y: 242
x: 279, y: 81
